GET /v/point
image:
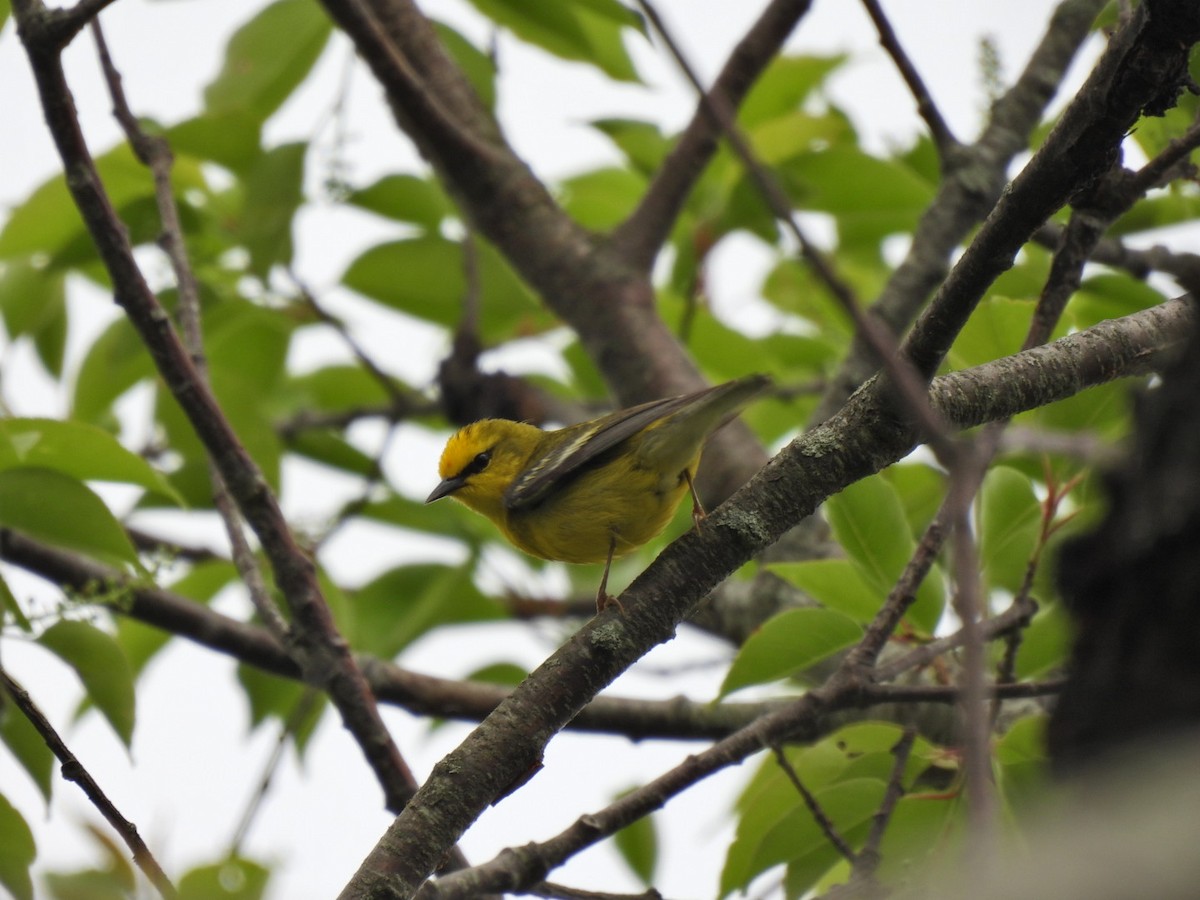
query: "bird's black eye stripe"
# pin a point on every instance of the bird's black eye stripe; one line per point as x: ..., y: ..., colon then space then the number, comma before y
x: 477, y: 465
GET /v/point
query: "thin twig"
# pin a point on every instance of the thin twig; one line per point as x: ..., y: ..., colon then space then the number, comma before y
x: 73, y: 770
x: 395, y: 391
x: 407, y: 407
x: 879, y: 694
x: 823, y: 821
x: 61, y: 25
x: 1016, y: 616
x: 943, y: 139
x: 1163, y: 166
x: 868, y: 858
x: 155, y: 153
x: 301, y: 711
x: 564, y: 892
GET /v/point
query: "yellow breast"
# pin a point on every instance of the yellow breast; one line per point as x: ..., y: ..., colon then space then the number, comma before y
x: 621, y: 501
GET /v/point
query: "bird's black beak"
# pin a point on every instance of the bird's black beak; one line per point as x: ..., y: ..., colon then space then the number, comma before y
x: 445, y: 488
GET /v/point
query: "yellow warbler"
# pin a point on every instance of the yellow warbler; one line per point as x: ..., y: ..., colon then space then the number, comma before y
x: 594, y: 491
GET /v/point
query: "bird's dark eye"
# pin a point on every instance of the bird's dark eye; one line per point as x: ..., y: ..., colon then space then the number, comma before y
x: 477, y: 465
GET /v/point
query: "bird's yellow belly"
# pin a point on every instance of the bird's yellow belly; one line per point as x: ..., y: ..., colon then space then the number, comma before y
x: 576, y: 524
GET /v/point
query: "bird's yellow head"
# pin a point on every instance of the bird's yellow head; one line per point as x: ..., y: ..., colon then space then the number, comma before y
x: 481, y: 460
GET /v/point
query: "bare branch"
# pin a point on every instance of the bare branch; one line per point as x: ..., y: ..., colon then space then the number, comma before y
x: 943, y: 139
x: 823, y: 821
x: 868, y: 858
x: 73, y: 770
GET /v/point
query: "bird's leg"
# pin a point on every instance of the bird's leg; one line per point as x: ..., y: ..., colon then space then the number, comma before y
x: 698, y: 513
x: 603, y: 597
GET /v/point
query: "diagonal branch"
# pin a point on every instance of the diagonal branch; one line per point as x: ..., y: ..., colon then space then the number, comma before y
x: 943, y: 139
x: 73, y: 770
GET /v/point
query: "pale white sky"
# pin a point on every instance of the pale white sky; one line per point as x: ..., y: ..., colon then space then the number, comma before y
x: 192, y: 766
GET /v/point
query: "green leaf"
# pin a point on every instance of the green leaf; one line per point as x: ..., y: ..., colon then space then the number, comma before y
x: 274, y: 191
x: 17, y: 852
x: 330, y: 448
x: 835, y: 584
x: 587, y: 31
x: 281, y: 699
x: 1170, y: 208
x: 337, y: 388
x: 452, y: 520
x: 922, y: 830
x: 9, y: 604
x: 798, y: 840
x: 1044, y: 644
x: 89, y: 884
x: 1022, y: 764
x: 231, y: 139
x: 76, y: 449
x: 778, y: 140
x: 405, y: 198
x: 61, y: 510
x: 48, y: 221
x: 267, y: 58
x: 792, y: 288
x: 921, y: 489
x: 116, y: 361
x: 424, y: 278
x: 870, y: 197
x: 638, y: 845
x: 102, y: 667
x: 789, y: 643
x: 643, y: 143
x: 29, y: 748
x: 230, y: 879
x: 602, y: 198
x: 140, y: 642
x: 502, y: 673
x: 785, y: 85
x: 868, y: 520
x: 1110, y: 297
x: 1010, y: 523
x: 403, y: 603
x: 996, y: 329
x: 1103, y: 409
x: 33, y: 302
